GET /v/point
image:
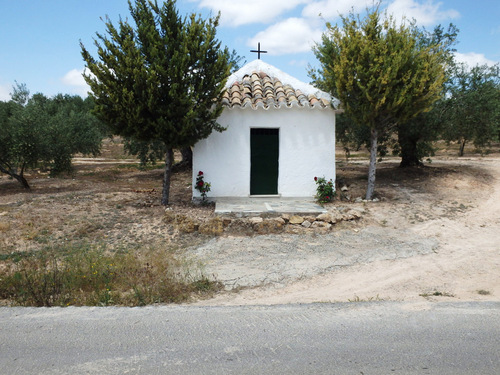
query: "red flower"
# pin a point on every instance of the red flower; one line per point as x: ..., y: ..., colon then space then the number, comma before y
x: 200, y: 173
x: 327, y: 197
x: 315, y: 178
x: 200, y: 183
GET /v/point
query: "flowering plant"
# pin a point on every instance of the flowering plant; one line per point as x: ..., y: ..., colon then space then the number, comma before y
x: 324, y: 190
x: 202, y: 186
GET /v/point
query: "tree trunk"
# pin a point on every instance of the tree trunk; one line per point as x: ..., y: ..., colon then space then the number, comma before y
x: 169, y: 160
x: 187, y: 159
x: 409, y: 156
x: 373, y: 164
x: 22, y: 180
x: 18, y: 177
x: 462, y: 148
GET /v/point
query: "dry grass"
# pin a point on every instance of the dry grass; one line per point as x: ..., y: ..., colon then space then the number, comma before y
x: 106, y: 212
x: 86, y: 275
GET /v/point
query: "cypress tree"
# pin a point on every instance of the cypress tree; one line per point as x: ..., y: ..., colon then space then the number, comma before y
x: 159, y: 80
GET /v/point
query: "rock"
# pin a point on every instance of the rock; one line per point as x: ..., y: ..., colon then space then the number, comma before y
x: 310, y: 218
x: 285, y: 217
x: 256, y: 220
x: 214, y: 226
x: 279, y: 220
x: 321, y: 224
x: 336, y: 217
x: 324, y: 217
x: 295, y: 219
x: 356, y: 214
x: 344, y: 188
x: 185, y: 224
x: 294, y: 229
x: 269, y: 226
x: 352, y: 215
x: 240, y: 227
x: 358, y: 200
x: 306, y: 224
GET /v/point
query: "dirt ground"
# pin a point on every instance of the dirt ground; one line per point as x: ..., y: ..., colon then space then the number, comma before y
x: 455, y: 201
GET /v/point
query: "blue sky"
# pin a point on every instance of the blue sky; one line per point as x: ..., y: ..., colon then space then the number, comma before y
x: 39, y: 42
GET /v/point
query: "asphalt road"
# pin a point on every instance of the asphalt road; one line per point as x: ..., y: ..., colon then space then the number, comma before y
x: 347, y: 338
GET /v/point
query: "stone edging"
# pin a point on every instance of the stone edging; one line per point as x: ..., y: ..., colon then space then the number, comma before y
x: 259, y: 225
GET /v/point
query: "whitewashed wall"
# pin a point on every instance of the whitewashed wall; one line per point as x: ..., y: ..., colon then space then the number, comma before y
x: 306, y: 146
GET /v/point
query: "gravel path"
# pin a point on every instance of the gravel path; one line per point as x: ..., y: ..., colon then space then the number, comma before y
x: 282, y: 259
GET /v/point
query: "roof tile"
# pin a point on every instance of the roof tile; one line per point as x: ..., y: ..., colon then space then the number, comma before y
x: 259, y: 90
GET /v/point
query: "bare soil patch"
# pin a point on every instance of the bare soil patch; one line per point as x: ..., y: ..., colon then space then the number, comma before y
x: 453, y: 201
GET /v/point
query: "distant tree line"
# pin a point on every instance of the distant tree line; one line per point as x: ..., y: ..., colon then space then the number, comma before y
x: 37, y: 131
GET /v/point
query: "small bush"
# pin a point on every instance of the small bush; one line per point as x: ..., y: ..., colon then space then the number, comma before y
x: 324, y: 190
x: 202, y: 186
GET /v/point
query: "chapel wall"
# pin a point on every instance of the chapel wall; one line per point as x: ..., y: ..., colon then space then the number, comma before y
x: 307, y: 149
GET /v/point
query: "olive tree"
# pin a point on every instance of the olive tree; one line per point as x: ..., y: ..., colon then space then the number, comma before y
x: 40, y: 131
x: 381, y: 73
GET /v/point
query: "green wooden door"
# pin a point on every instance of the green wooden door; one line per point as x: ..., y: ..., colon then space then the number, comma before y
x: 264, y: 155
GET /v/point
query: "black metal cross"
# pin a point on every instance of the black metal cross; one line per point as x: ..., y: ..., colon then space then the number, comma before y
x: 259, y: 51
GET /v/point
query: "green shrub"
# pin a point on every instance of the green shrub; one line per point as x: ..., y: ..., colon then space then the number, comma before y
x: 324, y: 190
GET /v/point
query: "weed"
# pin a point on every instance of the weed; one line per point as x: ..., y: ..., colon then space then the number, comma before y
x: 80, y: 274
x: 436, y: 294
x: 484, y: 292
x: 369, y: 299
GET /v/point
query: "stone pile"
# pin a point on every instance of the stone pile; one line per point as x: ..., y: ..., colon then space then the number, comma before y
x: 259, y: 225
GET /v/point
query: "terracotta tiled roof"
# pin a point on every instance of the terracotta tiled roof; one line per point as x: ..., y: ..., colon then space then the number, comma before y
x: 260, y: 85
x: 258, y: 90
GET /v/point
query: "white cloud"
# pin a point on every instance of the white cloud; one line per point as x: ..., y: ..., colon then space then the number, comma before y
x: 241, y: 12
x: 333, y: 8
x: 299, y: 63
x: 5, y: 92
x: 426, y: 13
x: 293, y: 35
x: 472, y: 59
x: 75, y: 80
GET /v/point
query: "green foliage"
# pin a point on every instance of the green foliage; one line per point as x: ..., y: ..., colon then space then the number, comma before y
x: 236, y: 61
x: 161, y: 80
x: 86, y: 275
x: 416, y: 136
x: 381, y: 72
x: 45, y: 131
x: 147, y: 152
x: 471, y: 110
x: 324, y: 190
